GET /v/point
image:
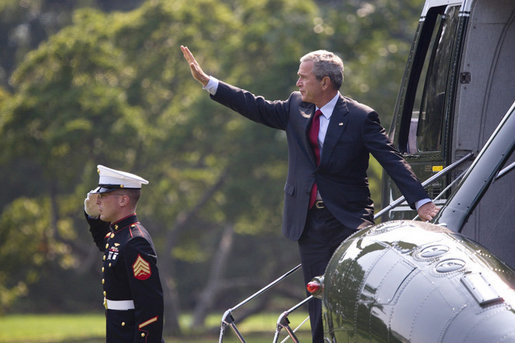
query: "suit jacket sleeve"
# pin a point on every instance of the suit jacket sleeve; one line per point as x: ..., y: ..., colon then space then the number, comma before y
x: 391, y: 160
x: 270, y: 113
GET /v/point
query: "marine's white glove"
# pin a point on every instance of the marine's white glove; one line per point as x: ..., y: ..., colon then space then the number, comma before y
x: 90, y: 205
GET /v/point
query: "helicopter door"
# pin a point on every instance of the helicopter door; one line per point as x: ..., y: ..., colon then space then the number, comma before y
x: 424, y: 110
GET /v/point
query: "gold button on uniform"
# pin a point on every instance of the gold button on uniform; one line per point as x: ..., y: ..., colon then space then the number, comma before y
x: 142, y: 334
x: 103, y: 281
x: 123, y: 323
x: 112, y: 234
x: 103, y: 269
x: 104, y: 258
x: 107, y: 245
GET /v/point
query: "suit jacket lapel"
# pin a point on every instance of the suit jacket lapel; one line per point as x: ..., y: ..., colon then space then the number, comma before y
x: 335, y: 129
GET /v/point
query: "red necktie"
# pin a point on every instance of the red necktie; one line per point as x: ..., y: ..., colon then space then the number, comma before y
x: 313, y: 139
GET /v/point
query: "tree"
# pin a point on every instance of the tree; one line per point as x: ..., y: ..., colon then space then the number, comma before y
x: 115, y: 78
x: 113, y: 89
x: 25, y: 24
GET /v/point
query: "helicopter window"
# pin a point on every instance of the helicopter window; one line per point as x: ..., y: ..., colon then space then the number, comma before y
x: 427, y: 116
x: 431, y: 113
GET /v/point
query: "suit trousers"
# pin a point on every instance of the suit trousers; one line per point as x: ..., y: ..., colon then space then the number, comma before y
x: 322, y: 234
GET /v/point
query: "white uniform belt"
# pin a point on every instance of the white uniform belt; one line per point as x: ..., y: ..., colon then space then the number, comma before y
x: 120, y: 305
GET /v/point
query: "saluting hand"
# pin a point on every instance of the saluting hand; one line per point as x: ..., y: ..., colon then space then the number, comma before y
x: 428, y: 211
x: 91, y: 206
x: 196, y: 70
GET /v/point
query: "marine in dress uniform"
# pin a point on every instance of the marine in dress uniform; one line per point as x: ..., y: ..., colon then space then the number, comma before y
x: 133, y: 297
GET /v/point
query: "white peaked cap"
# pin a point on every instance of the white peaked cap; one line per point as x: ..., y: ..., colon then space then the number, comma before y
x: 111, y: 179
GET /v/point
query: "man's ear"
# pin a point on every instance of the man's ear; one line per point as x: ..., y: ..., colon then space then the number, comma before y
x: 124, y: 200
x: 326, y: 82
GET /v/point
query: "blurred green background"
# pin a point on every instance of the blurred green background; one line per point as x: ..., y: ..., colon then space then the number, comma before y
x: 92, y: 82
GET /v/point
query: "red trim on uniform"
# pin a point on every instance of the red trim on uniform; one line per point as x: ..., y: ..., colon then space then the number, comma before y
x: 137, y: 225
x: 139, y: 229
x: 121, y: 219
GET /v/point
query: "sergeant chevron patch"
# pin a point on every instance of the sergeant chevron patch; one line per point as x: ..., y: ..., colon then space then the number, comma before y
x: 141, y: 269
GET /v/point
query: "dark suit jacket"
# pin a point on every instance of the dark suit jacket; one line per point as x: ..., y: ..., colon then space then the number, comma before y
x: 354, y: 131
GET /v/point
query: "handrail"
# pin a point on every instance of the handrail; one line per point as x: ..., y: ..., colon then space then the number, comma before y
x: 429, y: 181
x: 458, y: 178
x: 228, y: 319
x: 283, y: 322
x: 295, y: 330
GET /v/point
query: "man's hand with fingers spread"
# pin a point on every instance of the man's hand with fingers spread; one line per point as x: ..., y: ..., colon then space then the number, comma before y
x: 196, y: 70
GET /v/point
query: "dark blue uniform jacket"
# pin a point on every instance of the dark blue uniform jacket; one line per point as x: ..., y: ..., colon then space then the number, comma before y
x: 129, y: 273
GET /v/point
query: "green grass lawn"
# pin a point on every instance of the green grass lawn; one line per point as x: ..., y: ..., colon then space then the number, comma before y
x: 52, y: 328
x: 90, y: 328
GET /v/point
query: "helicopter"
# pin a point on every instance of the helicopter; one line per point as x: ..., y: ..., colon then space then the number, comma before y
x: 450, y: 280
x: 412, y: 281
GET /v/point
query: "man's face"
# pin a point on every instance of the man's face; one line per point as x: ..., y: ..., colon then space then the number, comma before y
x: 309, y: 86
x: 109, y: 206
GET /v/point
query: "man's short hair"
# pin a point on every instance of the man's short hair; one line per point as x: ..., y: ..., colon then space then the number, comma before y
x: 326, y: 63
x: 133, y: 195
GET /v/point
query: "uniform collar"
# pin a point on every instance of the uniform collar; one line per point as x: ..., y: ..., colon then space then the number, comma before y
x: 124, y: 222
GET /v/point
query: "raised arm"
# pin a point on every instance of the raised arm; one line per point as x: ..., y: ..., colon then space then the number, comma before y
x: 196, y: 70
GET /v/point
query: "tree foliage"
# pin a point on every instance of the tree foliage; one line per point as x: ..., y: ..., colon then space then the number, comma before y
x: 112, y: 88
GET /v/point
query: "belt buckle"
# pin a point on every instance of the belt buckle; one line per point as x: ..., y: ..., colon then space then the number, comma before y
x: 319, y: 204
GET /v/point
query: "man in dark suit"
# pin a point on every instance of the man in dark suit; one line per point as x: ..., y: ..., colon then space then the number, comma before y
x: 329, y: 138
